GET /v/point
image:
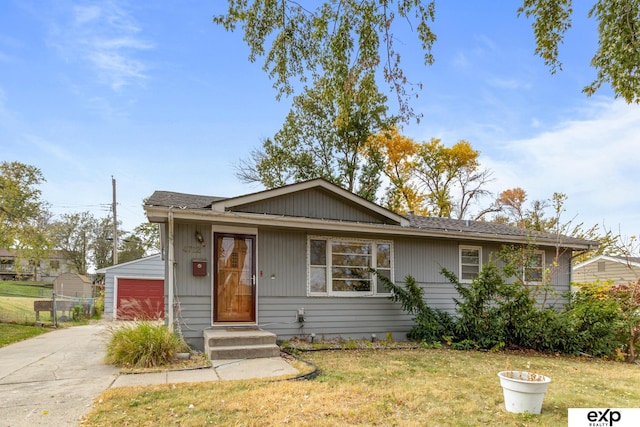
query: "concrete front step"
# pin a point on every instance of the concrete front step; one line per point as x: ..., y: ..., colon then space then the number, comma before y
x: 244, y: 352
x: 239, y: 343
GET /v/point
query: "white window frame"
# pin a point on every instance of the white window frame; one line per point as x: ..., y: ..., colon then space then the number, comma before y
x: 460, y: 263
x: 328, y: 272
x: 542, y: 268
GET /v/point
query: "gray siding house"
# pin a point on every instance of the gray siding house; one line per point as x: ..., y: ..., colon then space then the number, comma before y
x: 294, y: 260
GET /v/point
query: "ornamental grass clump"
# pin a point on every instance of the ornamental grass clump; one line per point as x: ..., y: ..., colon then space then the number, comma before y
x: 144, y: 345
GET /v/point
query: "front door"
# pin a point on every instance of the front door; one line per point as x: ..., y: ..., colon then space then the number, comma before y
x: 234, y: 283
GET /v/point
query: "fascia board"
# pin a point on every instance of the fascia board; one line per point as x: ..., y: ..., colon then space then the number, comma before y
x: 257, y: 220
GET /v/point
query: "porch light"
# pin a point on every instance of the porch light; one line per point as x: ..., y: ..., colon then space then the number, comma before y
x: 199, y: 237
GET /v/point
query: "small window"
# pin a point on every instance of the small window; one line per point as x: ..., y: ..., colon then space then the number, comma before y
x: 470, y: 262
x: 341, y: 267
x: 54, y: 264
x: 534, y: 267
x: 601, y: 266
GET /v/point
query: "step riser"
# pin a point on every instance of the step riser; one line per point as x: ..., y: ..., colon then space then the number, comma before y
x: 222, y: 344
x: 257, y: 352
x: 238, y: 341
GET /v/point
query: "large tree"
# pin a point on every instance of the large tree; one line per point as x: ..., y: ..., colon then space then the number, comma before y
x: 74, y: 234
x: 451, y: 177
x: 325, y: 136
x: 24, y: 216
x: 398, y: 154
x: 429, y: 178
x: 295, y: 38
x: 617, y: 59
x: 302, y: 42
x: 101, y: 246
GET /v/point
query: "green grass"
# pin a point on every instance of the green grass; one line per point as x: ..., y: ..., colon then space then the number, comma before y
x: 379, y: 387
x: 10, y: 333
x: 20, y: 310
x: 26, y: 289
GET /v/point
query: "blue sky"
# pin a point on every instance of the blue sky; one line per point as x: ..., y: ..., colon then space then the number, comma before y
x: 157, y: 96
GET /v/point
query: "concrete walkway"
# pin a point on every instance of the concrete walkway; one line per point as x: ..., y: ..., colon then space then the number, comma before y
x: 53, y: 378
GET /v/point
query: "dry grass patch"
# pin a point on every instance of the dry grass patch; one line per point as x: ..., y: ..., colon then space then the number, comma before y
x: 378, y: 387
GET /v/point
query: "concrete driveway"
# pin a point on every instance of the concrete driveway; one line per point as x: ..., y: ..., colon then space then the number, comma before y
x: 53, y: 378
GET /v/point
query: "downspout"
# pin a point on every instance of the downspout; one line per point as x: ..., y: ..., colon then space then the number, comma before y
x: 171, y: 270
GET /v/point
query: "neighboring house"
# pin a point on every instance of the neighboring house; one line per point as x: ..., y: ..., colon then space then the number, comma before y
x: 73, y: 285
x: 616, y: 269
x: 134, y: 286
x: 14, y: 267
x: 294, y: 260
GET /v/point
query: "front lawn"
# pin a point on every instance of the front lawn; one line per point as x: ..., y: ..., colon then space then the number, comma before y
x: 10, y: 333
x: 20, y: 310
x: 379, y: 387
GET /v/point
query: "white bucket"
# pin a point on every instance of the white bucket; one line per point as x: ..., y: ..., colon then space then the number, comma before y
x: 520, y: 394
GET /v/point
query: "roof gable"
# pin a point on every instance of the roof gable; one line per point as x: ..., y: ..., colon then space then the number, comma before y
x: 316, y: 198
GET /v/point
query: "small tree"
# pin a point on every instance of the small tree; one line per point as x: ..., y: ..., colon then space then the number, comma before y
x: 628, y: 299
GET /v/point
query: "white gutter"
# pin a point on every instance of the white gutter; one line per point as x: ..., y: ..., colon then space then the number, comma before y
x: 171, y: 270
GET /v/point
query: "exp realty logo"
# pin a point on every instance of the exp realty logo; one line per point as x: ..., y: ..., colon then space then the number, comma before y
x: 603, y: 417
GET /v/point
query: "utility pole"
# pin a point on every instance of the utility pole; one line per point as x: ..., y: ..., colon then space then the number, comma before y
x: 115, y: 223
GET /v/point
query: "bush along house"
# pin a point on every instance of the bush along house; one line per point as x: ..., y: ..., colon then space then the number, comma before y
x: 295, y: 260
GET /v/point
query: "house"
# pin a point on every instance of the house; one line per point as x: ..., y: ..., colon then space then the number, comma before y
x: 72, y: 285
x: 14, y: 267
x: 618, y: 270
x: 295, y: 260
x: 134, y: 289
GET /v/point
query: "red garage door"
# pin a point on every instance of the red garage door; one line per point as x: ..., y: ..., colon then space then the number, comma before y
x: 140, y: 299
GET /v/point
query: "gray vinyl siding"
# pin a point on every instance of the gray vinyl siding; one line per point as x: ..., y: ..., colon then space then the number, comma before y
x: 282, y: 254
x: 192, y: 294
x: 328, y: 317
x: 193, y: 317
x: 188, y: 250
x: 151, y: 267
x: 617, y: 272
x: 313, y: 204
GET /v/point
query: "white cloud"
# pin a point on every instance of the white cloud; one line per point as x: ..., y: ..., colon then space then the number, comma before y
x: 593, y: 160
x: 107, y: 38
x: 507, y: 83
x: 84, y: 14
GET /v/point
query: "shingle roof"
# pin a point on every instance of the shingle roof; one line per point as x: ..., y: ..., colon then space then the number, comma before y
x: 489, y: 229
x: 181, y: 200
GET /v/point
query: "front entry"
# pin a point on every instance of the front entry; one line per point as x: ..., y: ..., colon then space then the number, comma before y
x: 234, y: 283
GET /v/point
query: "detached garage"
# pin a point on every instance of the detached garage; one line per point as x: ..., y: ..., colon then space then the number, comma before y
x: 135, y: 289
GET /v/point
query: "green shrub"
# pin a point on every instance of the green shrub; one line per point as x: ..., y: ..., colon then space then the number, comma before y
x: 98, y: 306
x: 493, y: 313
x: 144, y: 345
x: 431, y: 325
x: 76, y: 313
x: 592, y: 323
